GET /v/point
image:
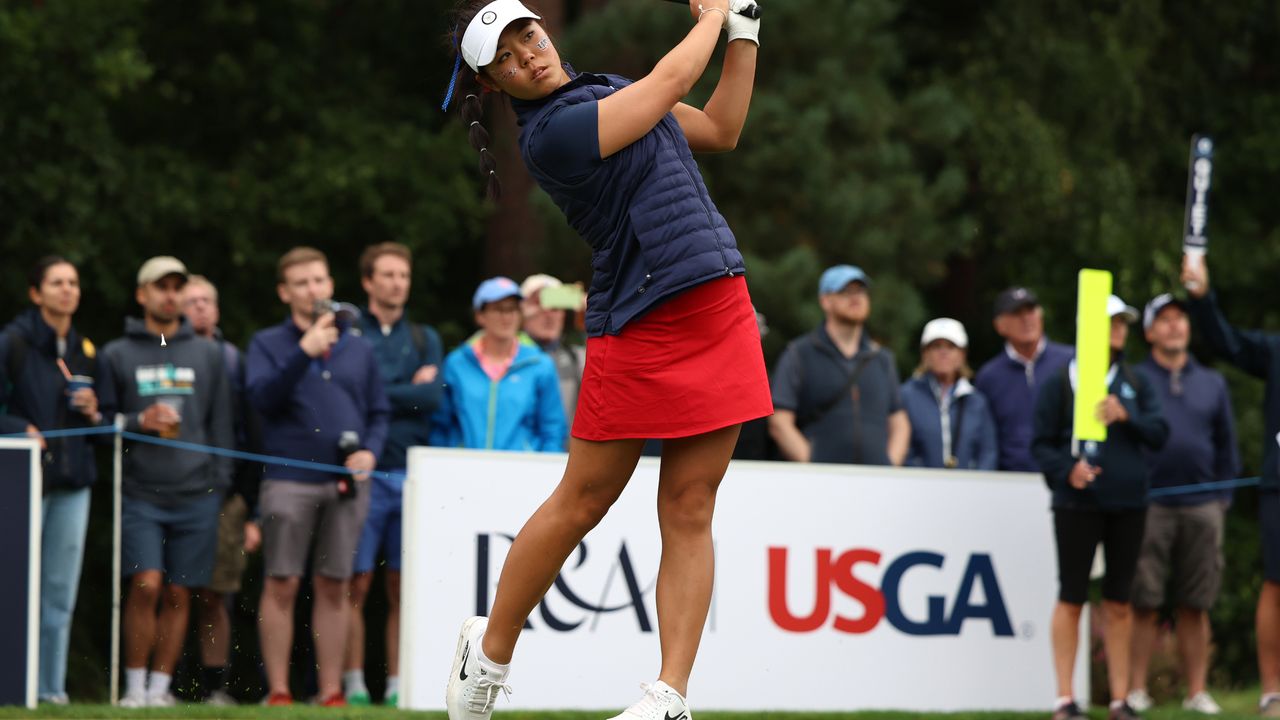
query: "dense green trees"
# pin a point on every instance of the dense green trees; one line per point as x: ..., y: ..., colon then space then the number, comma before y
x: 950, y: 147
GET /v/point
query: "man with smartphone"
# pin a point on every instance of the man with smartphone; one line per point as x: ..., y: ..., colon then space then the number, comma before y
x: 320, y: 396
x: 546, y: 307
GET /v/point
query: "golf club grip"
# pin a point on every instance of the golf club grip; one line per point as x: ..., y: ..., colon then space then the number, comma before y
x: 752, y: 11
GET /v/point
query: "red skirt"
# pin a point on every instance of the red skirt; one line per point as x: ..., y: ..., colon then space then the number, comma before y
x: 691, y: 365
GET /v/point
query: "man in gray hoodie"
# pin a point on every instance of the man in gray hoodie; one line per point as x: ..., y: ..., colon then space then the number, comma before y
x: 170, y: 383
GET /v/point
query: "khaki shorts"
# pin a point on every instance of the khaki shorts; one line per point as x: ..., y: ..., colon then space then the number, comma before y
x: 301, y: 518
x: 1181, y: 553
x: 229, y: 563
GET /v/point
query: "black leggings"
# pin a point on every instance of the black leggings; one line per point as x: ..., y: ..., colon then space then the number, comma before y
x: 1078, y: 533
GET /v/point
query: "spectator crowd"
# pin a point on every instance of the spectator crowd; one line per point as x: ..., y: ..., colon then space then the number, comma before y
x: 356, y: 386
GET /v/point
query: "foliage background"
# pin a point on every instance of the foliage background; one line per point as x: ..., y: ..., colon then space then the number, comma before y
x: 950, y: 147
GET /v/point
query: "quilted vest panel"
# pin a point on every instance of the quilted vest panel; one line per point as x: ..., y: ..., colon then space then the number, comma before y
x: 645, y: 212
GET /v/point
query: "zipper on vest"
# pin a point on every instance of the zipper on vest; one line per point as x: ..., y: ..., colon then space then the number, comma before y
x: 710, y: 221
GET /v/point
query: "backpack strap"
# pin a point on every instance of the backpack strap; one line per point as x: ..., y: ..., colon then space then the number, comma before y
x: 847, y: 389
x: 419, y: 338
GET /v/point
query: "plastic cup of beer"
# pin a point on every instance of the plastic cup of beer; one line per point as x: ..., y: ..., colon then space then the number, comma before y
x: 175, y: 404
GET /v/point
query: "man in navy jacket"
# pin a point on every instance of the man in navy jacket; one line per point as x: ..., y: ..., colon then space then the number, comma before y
x: 1258, y: 354
x: 321, y: 399
x: 409, y: 357
x: 1012, y: 379
x: 1183, y: 537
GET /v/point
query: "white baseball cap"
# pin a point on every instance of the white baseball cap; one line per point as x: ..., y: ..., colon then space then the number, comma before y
x: 1116, y: 306
x: 480, y: 41
x: 534, y: 283
x: 945, y: 329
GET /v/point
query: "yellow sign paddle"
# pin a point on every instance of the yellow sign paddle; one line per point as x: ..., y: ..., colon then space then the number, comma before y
x: 1093, y: 354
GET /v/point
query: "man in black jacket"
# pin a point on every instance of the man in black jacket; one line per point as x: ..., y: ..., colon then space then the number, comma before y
x: 1099, y: 495
x: 43, y: 360
x: 835, y: 390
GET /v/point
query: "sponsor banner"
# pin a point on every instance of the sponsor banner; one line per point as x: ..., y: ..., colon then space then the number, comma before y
x: 837, y: 588
x: 20, y: 516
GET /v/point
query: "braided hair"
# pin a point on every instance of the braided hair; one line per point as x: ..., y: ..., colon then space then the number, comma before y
x: 472, y: 105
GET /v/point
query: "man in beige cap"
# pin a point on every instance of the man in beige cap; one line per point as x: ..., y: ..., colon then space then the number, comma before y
x: 173, y: 384
x: 544, y: 324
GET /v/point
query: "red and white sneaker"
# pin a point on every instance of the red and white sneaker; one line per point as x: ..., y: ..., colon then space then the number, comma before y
x: 473, y: 685
x: 660, y: 702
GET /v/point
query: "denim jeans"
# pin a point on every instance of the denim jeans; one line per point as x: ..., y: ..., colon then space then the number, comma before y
x: 66, y: 517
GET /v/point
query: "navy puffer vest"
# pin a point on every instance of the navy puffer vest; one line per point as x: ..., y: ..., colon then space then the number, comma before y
x: 645, y: 211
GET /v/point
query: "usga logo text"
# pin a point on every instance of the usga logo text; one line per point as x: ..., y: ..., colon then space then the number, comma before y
x: 946, y: 615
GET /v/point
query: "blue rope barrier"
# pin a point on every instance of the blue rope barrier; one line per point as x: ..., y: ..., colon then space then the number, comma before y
x: 381, y: 474
x: 254, y: 457
x: 68, y: 432
x: 1204, y: 487
x: 211, y: 450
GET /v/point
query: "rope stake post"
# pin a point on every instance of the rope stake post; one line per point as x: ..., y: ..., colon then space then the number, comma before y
x: 117, y: 483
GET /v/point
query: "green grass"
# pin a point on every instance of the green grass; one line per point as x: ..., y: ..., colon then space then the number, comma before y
x: 1235, y: 705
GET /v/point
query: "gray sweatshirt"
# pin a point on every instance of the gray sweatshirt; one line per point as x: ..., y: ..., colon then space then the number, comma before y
x: 188, y: 368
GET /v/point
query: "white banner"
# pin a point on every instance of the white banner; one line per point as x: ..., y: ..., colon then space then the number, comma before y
x: 837, y: 588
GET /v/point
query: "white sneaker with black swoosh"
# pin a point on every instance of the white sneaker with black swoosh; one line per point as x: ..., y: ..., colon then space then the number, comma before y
x: 660, y: 702
x: 473, y: 685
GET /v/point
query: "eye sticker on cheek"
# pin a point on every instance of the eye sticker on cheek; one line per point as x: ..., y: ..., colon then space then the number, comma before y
x: 544, y: 43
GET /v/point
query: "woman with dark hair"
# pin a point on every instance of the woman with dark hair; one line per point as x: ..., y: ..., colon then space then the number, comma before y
x: 673, y: 351
x: 47, y: 374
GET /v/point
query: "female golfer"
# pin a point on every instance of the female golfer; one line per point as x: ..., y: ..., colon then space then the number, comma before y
x: 673, y: 351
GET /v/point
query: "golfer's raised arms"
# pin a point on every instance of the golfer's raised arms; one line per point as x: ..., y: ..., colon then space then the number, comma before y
x: 628, y: 114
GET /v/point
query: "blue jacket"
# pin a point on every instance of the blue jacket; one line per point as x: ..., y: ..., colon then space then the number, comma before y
x: 1123, y: 483
x: 644, y: 211
x: 399, y: 355
x: 1256, y: 353
x: 36, y: 395
x: 306, y: 404
x: 522, y: 411
x: 1202, y: 432
x: 974, y: 449
x: 1011, y: 389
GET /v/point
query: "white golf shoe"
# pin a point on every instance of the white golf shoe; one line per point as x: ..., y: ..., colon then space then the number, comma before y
x: 660, y: 702
x: 1139, y: 700
x: 473, y: 685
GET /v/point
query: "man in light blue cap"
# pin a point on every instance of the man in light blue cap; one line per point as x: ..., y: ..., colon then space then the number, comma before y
x: 838, y: 277
x: 836, y: 391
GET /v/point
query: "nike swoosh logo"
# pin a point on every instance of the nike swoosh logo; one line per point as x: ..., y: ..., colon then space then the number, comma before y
x: 681, y: 716
x: 462, y: 674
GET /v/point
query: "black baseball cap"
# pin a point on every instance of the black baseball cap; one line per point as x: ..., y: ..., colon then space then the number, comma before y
x: 1013, y: 299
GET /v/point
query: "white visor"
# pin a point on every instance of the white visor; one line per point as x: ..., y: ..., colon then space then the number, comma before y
x: 480, y: 41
